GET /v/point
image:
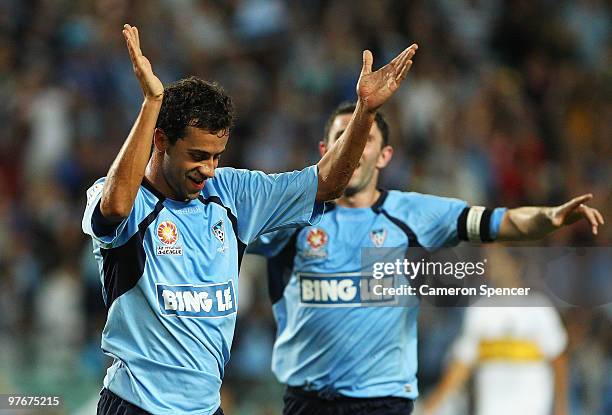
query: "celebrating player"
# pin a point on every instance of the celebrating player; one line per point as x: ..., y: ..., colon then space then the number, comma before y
x: 337, y: 357
x: 169, y: 230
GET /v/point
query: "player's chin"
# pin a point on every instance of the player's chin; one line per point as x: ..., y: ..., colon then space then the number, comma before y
x: 353, y: 188
x: 356, y: 180
x: 195, y: 186
x: 191, y: 192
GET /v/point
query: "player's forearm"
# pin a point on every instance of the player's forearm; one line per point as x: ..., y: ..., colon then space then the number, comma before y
x: 526, y: 223
x: 338, y: 164
x: 128, y: 169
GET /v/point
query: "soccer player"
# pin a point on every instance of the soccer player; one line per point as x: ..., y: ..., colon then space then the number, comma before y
x: 335, y: 356
x: 169, y: 230
x: 517, y: 349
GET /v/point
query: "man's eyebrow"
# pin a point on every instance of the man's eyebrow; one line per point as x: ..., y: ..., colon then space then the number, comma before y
x: 197, y: 152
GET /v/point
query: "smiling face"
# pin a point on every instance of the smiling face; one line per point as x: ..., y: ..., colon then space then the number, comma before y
x: 187, y: 164
x: 375, y: 155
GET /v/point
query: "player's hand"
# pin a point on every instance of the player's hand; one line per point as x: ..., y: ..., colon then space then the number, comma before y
x: 152, y: 88
x: 574, y: 210
x: 375, y: 88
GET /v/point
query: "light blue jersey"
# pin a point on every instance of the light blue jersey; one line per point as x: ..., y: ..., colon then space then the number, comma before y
x: 170, y: 281
x: 335, y: 345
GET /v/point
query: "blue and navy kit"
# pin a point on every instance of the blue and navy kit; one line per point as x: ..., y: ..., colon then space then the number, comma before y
x: 332, y: 342
x: 170, y: 281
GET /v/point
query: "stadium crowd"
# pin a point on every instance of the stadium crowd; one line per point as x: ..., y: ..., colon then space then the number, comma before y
x: 507, y: 104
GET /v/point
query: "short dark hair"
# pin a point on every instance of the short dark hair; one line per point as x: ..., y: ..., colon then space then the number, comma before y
x: 348, y: 108
x: 194, y: 102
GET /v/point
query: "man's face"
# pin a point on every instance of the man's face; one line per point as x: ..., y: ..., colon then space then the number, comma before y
x: 375, y: 156
x: 191, y: 161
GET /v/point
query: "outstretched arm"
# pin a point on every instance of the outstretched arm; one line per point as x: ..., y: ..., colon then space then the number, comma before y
x: 128, y: 169
x: 373, y: 90
x: 536, y: 222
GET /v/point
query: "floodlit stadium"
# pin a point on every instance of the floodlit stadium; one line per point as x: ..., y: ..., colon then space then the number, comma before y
x: 373, y: 206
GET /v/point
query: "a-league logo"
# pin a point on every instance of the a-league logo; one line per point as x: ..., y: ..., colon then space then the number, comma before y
x: 316, y: 238
x: 168, y: 235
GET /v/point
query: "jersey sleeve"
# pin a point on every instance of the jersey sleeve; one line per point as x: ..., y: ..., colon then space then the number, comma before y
x: 271, y: 244
x: 95, y: 225
x: 268, y: 202
x: 444, y: 222
x: 435, y: 219
x: 552, y: 334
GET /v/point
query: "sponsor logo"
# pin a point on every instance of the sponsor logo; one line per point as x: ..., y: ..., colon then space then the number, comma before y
x: 378, y: 237
x: 341, y: 290
x: 189, y: 210
x: 168, y: 235
x: 196, y: 301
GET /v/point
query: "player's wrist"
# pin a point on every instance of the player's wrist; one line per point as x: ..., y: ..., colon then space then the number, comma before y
x: 363, y: 107
x: 154, y: 99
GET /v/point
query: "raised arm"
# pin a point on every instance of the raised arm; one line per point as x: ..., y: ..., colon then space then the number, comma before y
x: 373, y: 90
x: 128, y: 169
x: 536, y: 222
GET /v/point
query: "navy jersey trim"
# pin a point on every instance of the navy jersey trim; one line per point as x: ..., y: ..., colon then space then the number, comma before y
x: 462, y: 224
x: 280, y: 268
x: 234, y: 221
x: 377, y: 206
x: 124, y: 265
x: 329, y: 206
x: 100, y: 225
x: 149, y: 186
x: 413, y: 241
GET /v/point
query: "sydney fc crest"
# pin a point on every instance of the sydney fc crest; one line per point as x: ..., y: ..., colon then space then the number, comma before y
x: 168, y: 235
x: 378, y: 237
x: 218, y: 231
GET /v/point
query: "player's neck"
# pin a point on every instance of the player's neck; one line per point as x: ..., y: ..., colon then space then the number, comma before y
x: 155, y: 176
x: 364, y: 199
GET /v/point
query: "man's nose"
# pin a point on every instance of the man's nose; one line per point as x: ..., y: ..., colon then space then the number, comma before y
x: 207, y: 169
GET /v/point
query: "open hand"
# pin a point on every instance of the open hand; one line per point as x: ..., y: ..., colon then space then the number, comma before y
x: 152, y: 88
x: 574, y: 210
x: 375, y: 88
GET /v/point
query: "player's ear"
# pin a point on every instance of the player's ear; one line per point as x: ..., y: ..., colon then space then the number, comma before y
x: 322, y: 148
x: 386, y: 153
x: 160, y: 140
